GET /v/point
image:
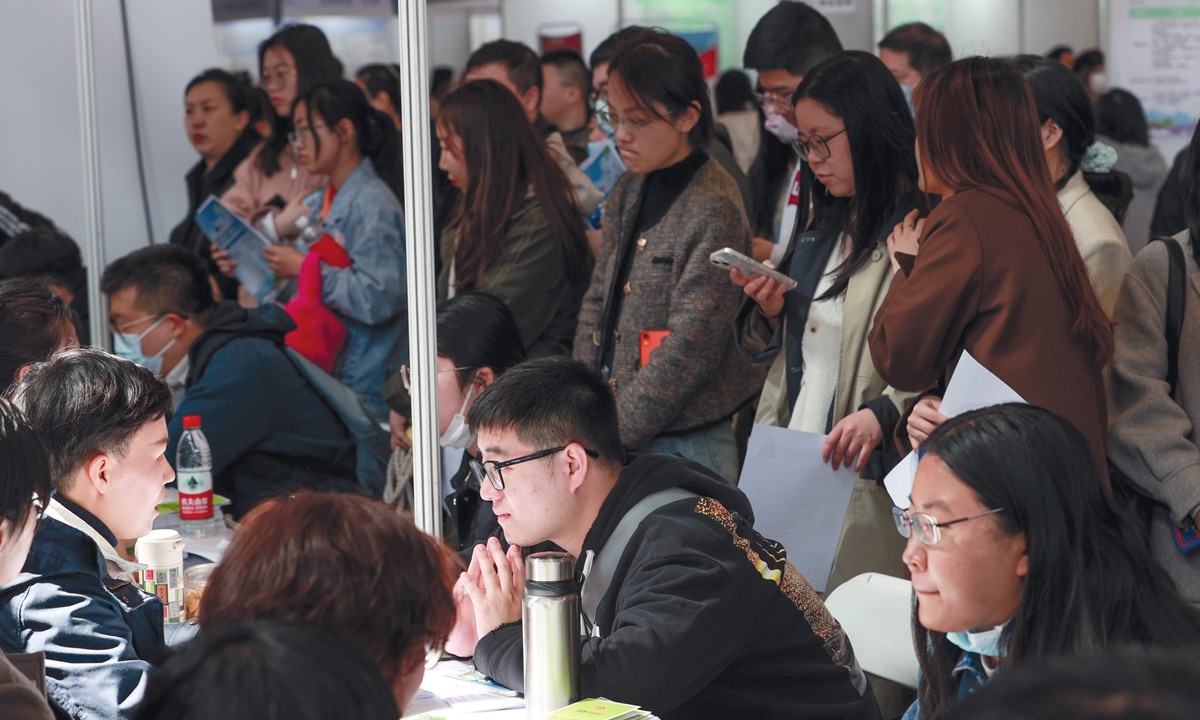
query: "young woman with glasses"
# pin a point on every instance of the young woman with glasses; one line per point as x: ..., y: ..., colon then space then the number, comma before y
x: 1017, y: 555
x: 653, y: 282
x: 994, y: 270
x: 860, y: 177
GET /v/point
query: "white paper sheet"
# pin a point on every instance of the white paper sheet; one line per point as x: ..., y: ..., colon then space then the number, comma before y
x: 798, y: 500
x: 971, y: 387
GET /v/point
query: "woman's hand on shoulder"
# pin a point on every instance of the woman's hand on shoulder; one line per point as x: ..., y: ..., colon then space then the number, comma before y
x: 904, y: 237
x: 762, y: 290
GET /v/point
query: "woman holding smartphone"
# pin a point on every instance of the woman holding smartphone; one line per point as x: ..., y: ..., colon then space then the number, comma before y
x: 860, y: 177
x: 673, y: 208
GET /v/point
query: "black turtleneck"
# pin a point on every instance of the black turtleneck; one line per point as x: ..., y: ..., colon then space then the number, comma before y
x: 663, y: 187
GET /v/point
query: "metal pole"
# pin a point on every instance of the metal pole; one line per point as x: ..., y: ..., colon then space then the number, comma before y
x: 419, y: 244
x: 93, y: 207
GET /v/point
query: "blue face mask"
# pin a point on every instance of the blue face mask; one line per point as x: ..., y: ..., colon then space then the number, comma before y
x: 985, y: 642
x: 908, y: 93
x: 129, y: 346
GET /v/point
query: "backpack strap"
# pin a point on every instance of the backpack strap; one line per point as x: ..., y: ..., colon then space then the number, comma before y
x: 1176, y: 297
x: 602, y: 567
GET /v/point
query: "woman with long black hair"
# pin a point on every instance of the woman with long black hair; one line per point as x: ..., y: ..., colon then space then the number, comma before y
x: 1017, y: 555
x: 1092, y: 194
x: 860, y: 177
x: 516, y: 233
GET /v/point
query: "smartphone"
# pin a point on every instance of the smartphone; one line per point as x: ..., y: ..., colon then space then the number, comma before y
x: 730, y: 258
x: 1187, y: 540
x: 648, y: 342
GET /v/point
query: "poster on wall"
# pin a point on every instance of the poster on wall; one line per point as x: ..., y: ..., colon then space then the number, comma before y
x: 1156, y: 56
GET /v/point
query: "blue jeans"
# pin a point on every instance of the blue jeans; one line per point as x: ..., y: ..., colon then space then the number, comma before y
x: 714, y: 448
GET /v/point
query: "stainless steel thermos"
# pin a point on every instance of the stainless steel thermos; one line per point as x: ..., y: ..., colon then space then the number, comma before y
x: 551, y: 625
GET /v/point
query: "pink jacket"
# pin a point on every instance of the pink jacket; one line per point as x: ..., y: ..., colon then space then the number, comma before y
x: 252, y: 188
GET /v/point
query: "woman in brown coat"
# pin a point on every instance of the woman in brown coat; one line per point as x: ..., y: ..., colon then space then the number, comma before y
x: 994, y: 269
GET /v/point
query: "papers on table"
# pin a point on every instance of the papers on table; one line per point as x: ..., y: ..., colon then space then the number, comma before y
x: 443, y: 695
x: 600, y: 709
x: 972, y: 387
x: 244, y: 244
x: 798, y: 500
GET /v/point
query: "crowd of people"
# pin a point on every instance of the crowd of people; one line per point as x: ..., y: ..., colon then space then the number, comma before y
x: 594, y: 368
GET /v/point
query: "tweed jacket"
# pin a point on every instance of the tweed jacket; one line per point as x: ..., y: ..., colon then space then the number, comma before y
x: 696, y: 377
x: 1152, y: 436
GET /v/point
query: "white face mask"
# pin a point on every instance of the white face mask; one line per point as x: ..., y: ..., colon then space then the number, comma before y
x: 129, y: 346
x: 459, y: 434
x: 1099, y: 82
x: 779, y: 126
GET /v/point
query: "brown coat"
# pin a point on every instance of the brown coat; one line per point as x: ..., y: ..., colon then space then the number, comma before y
x: 20, y: 698
x: 697, y: 376
x: 982, y: 283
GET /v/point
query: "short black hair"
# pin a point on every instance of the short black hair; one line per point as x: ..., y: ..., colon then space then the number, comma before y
x: 168, y: 278
x: 661, y: 67
x: 251, y: 670
x: 33, y: 322
x: 24, y: 467
x: 792, y: 36
x: 612, y: 45
x: 44, y: 254
x: 1132, y: 684
x: 85, y: 402
x: 1119, y: 116
x: 927, y: 49
x: 1087, y: 61
x: 476, y: 330
x: 571, y: 68
x: 239, y: 94
x: 550, y: 402
x: 524, y: 67
x: 1058, y: 51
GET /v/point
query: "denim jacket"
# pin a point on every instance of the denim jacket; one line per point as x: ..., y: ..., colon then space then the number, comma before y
x: 370, y: 297
x: 971, y: 676
x: 76, y: 602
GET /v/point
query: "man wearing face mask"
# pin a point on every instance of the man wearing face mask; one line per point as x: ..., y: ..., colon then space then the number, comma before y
x: 785, y: 44
x: 271, y: 426
x: 912, y: 51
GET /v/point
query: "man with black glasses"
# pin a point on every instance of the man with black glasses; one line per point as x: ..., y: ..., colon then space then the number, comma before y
x: 702, y: 617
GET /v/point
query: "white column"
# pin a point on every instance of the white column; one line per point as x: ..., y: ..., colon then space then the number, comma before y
x: 93, y: 207
x: 419, y: 243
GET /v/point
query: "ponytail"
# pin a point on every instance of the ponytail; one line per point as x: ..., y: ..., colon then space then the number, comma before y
x: 377, y: 138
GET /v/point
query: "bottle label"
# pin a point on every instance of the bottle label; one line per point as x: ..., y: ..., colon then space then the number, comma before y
x: 166, y: 583
x: 195, y: 495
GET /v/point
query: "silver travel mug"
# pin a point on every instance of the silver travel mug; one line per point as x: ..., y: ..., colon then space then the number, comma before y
x: 550, y: 619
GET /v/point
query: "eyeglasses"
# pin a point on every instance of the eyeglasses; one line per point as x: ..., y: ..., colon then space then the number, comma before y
x: 406, y: 374
x: 119, y: 328
x: 816, y: 144
x: 929, y: 529
x: 769, y: 97
x: 634, y: 126
x: 491, y: 469
x: 295, y: 137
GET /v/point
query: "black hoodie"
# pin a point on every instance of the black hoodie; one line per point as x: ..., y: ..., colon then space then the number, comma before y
x: 269, y: 429
x: 704, y: 617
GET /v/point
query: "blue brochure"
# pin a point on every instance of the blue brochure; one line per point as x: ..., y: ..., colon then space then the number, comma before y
x: 244, y: 244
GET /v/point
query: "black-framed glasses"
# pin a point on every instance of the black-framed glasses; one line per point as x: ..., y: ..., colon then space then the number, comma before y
x: 304, y: 135
x: 815, y: 144
x: 491, y: 468
x: 929, y: 529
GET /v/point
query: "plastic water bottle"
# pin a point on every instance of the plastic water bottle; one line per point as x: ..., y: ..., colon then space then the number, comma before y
x: 193, y: 475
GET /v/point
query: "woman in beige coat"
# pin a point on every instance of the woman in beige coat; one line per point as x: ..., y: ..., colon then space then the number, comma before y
x: 856, y: 141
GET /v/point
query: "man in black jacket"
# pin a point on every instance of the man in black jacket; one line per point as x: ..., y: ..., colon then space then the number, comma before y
x: 702, y: 617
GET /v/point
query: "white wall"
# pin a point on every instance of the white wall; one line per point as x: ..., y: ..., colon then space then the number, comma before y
x: 522, y: 18
x: 41, y: 162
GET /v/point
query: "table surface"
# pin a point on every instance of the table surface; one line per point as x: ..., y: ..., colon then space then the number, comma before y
x: 442, y: 697
x: 209, y: 549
